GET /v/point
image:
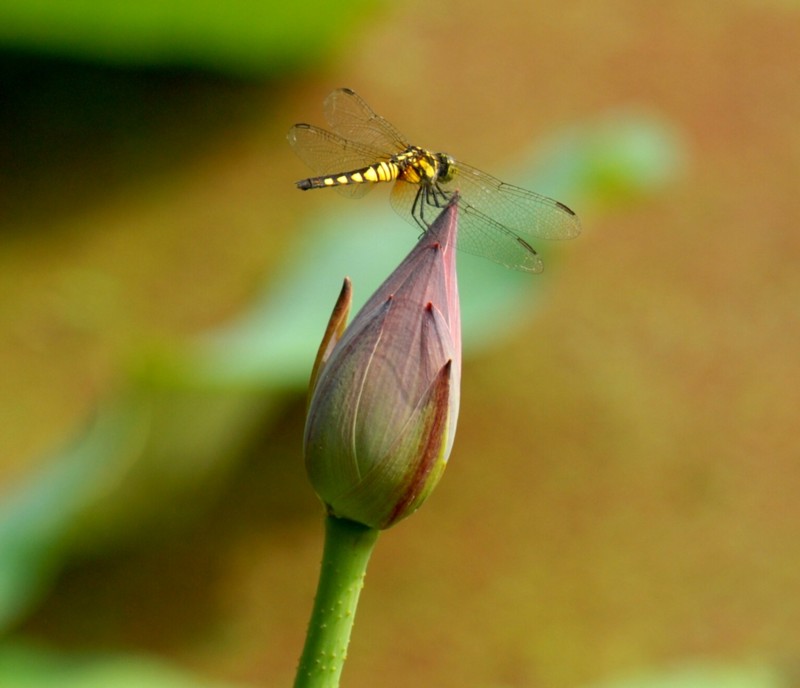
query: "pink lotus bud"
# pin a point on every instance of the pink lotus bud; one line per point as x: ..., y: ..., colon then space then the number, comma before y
x: 385, y: 390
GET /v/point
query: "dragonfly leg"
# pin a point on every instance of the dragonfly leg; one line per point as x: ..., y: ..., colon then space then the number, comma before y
x: 428, y: 197
x: 440, y: 197
x: 435, y: 198
x: 418, y: 209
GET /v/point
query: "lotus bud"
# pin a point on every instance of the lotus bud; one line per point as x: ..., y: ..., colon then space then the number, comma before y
x: 385, y: 390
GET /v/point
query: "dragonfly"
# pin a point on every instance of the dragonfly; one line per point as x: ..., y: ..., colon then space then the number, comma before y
x: 496, y: 220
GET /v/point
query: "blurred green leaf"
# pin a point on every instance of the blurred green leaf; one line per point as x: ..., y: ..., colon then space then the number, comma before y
x: 623, y: 156
x: 240, y: 36
x: 27, y: 667
x: 144, y: 451
x: 36, y: 518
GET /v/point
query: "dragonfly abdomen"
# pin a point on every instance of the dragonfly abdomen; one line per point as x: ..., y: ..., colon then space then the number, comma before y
x: 384, y: 171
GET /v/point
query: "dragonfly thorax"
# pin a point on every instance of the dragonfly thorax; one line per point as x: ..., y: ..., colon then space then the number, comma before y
x: 419, y: 166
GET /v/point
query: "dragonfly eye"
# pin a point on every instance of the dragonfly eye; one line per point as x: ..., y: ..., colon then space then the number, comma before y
x: 447, y: 167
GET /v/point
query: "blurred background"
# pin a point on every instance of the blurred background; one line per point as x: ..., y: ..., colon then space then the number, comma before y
x: 621, y: 505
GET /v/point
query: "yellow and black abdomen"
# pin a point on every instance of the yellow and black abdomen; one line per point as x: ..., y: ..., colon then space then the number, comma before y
x: 384, y: 171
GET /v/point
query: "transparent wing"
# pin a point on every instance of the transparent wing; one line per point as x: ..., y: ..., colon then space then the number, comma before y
x: 482, y: 236
x: 525, y: 213
x: 329, y: 154
x: 478, y: 234
x: 350, y: 117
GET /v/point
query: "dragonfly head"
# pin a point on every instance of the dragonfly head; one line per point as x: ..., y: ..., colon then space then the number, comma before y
x: 446, y: 167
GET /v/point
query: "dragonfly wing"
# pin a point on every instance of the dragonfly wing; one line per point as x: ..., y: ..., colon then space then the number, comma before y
x: 525, y: 213
x: 480, y: 235
x: 477, y: 233
x: 403, y: 199
x: 350, y: 116
x: 329, y: 154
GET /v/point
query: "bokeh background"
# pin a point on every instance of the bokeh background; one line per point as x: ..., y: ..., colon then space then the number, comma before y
x: 622, y: 496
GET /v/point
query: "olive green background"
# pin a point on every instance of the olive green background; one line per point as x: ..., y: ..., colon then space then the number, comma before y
x: 622, y: 495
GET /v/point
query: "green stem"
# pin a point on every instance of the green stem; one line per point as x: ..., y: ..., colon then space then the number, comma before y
x: 348, y: 546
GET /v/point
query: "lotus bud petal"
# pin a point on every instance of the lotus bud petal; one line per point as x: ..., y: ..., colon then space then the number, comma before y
x: 385, y: 392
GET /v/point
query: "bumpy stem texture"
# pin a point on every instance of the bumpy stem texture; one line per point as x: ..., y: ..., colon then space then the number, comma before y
x: 348, y: 546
